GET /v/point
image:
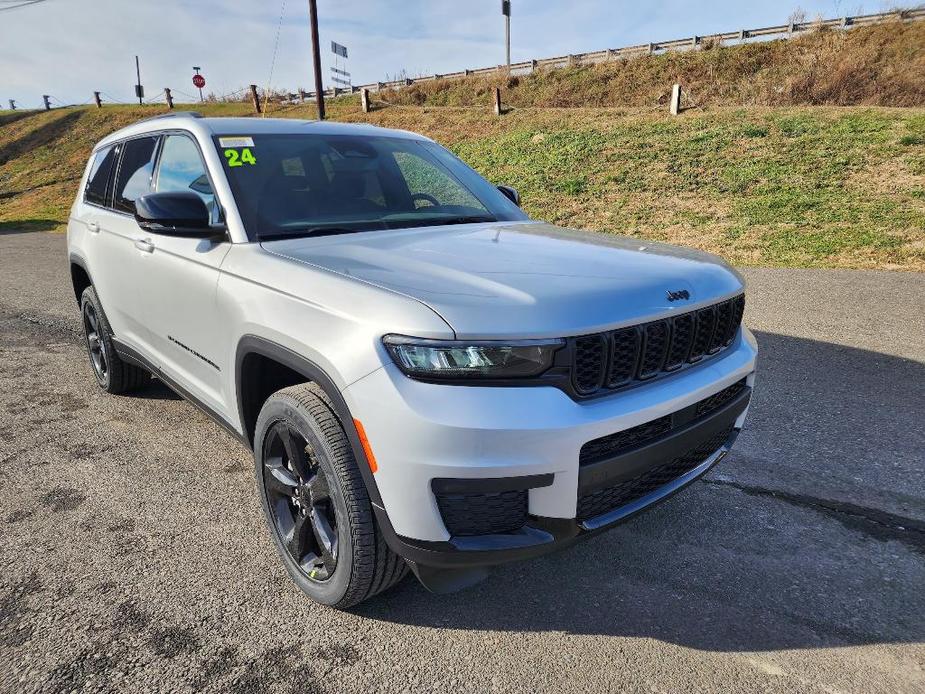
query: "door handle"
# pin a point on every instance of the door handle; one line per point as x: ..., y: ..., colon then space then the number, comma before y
x: 93, y: 227
x: 144, y: 245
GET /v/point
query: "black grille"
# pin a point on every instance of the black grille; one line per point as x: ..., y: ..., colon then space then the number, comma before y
x: 624, y: 352
x: 682, y: 337
x: 706, y: 321
x: 623, y: 441
x: 588, y: 367
x: 607, y: 446
x: 603, y: 500
x: 608, y: 361
x: 723, y: 316
x: 483, y: 514
x: 654, y: 349
x: 714, y: 402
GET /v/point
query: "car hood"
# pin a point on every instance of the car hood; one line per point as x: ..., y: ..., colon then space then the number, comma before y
x: 517, y: 279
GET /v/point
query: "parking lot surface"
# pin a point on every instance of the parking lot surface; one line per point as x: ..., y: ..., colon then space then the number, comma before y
x: 134, y: 557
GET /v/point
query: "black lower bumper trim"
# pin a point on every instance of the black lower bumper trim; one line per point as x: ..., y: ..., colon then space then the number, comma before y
x: 539, y: 536
x: 679, y: 441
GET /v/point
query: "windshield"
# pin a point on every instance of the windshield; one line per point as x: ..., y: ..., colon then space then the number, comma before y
x: 298, y: 185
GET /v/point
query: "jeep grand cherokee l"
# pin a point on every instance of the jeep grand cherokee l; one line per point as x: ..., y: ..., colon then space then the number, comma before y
x: 427, y: 377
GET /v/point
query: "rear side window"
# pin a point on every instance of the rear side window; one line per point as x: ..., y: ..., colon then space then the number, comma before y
x: 135, y: 172
x: 99, y: 180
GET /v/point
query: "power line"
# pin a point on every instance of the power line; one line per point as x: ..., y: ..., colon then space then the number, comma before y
x: 282, y: 9
x: 21, y: 3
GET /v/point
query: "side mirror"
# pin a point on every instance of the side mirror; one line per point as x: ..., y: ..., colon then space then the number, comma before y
x: 174, y: 214
x: 511, y: 194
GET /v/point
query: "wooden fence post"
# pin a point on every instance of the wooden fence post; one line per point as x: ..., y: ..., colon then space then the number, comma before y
x: 169, y: 97
x: 96, y: 99
x: 674, y: 107
x: 497, y: 101
x: 256, y: 98
x: 364, y: 100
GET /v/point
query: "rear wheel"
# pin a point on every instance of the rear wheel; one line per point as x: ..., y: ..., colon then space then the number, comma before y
x: 112, y: 374
x: 316, y: 503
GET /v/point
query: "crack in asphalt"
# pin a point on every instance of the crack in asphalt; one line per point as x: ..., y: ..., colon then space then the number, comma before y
x: 55, y: 326
x: 872, y: 522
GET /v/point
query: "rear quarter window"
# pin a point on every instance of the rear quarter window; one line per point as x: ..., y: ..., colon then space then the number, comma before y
x: 99, y: 182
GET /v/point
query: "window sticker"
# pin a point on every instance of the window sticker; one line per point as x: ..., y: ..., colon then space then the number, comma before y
x: 236, y: 142
x: 240, y: 158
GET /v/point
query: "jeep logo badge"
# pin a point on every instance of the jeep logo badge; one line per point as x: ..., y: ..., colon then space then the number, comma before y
x: 680, y: 294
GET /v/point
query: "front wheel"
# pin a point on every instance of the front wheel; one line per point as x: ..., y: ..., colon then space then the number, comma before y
x: 316, y: 503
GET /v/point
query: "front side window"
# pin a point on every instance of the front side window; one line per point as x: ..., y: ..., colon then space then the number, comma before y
x: 294, y: 185
x: 135, y: 171
x: 99, y: 181
x: 181, y: 169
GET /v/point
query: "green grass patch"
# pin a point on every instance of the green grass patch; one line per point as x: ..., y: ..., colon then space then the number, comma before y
x: 798, y: 186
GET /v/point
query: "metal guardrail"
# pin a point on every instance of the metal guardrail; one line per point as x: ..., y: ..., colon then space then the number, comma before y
x: 644, y: 49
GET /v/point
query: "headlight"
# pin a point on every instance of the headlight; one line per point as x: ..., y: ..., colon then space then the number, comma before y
x: 463, y: 359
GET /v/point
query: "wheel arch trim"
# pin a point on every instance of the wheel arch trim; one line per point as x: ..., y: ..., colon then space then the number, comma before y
x: 253, y: 344
x: 78, y: 260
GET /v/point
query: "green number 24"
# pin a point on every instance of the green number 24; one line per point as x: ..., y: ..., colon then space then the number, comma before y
x: 235, y: 158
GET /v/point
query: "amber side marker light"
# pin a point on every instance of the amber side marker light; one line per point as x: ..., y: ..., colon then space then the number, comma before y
x: 361, y: 432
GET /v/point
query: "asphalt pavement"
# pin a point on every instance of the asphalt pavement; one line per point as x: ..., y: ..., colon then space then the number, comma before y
x: 134, y: 557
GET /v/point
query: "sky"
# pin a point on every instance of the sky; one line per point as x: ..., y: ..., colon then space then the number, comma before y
x: 70, y: 48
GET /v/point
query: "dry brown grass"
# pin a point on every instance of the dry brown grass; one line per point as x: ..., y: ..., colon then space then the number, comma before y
x: 881, y: 65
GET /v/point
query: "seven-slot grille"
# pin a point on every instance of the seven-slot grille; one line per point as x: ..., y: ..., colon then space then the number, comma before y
x: 607, y: 361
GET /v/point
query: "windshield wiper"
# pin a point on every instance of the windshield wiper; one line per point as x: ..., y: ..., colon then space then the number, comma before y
x: 471, y: 219
x: 309, y: 231
x: 441, y: 221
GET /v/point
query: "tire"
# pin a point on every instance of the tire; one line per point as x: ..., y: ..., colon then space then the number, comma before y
x: 112, y: 374
x: 337, y: 507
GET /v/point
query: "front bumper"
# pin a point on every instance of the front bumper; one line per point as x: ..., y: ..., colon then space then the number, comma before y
x: 425, y: 435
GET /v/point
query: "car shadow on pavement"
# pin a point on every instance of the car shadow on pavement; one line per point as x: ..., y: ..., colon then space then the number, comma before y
x: 803, y: 538
x: 156, y: 389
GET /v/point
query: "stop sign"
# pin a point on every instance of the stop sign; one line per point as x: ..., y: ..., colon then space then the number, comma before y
x: 199, y: 81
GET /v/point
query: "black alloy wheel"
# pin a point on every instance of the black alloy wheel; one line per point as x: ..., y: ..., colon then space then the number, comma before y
x: 315, y: 500
x: 299, y: 497
x: 96, y: 346
x: 112, y: 373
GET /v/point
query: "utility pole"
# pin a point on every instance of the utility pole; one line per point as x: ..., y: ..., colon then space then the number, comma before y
x: 45, y: 98
x: 316, y: 56
x: 139, y: 90
x: 506, y: 11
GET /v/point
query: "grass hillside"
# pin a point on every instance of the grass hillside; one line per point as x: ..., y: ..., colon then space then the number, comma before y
x: 880, y: 65
x: 804, y: 186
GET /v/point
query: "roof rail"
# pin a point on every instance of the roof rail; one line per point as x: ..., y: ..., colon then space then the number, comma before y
x: 173, y: 114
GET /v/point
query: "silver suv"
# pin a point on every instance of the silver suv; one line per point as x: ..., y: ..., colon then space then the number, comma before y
x: 427, y: 377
